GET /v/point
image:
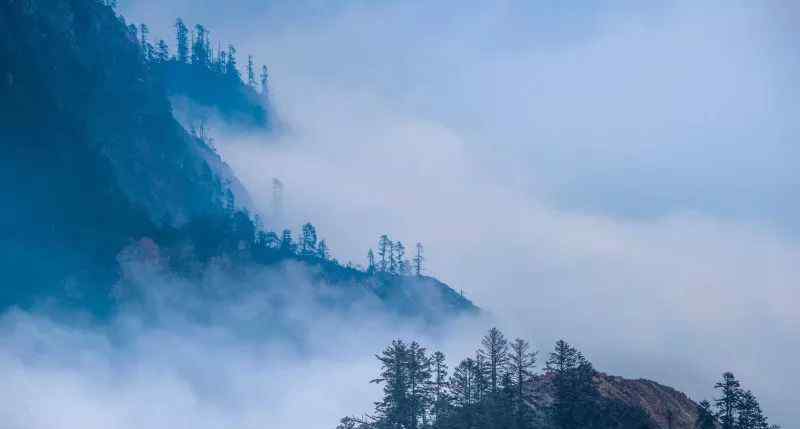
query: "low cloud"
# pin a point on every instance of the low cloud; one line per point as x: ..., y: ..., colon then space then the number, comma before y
x: 617, y: 176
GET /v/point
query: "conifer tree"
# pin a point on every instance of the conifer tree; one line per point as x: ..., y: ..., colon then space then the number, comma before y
x: 251, y: 74
x: 322, y: 250
x: 182, y: 37
x: 521, y: 362
x: 418, y: 374
x: 419, y: 260
x: 705, y: 416
x: 147, y: 48
x: 264, y: 81
x: 441, y: 398
x: 308, y: 240
x: 462, y: 383
x: 573, y: 382
x: 495, y: 349
x: 200, y: 54
x: 162, y: 52
x: 398, y: 257
x: 730, y: 395
x: 231, y: 67
x: 384, y: 252
x: 393, y: 408
x: 749, y: 413
x: 370, y: 261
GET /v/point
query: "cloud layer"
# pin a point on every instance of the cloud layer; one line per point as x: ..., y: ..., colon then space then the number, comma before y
x: 620, y: 176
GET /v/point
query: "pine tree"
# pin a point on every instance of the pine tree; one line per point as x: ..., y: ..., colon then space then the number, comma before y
x: 418, y: 373
x: 749, y: 413
x: 495, y: 349
x: 521, y: 362
x: 370, y: 261
x: 462, y: 383
x: 182, y: 37
x: 398, y: 257
x: 162, y: 52
x: 705, y: 416
x: 147, y: 48
x: 574, y: 386
x: 251, y: 74
x: 730, y: 391
x: 264, y: 81
x: 441, y: 398
x: 200, y: 44
x: 231, y: 67
x: 384, y: 252
x: 481, y: 377
x: 322, y: 250
x: 419, y: 260
x: 393, y: 408
x: 308, y: 240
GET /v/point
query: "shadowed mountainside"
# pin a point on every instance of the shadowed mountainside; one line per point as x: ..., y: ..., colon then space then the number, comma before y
x: 95, y: 161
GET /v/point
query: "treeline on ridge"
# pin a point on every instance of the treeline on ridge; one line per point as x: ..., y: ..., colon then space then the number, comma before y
x: 498, y: 388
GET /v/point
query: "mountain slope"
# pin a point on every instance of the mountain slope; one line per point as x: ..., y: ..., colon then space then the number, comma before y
x: 95, y: 160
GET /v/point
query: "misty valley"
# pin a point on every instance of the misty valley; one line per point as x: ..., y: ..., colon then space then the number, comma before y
x: 196, y: 237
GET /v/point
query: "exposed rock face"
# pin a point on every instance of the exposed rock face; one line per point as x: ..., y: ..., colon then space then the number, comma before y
x: 666, y: 407
x: 626, y: 403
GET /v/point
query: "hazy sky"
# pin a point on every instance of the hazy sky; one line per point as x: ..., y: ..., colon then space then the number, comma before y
x: 621, y: 175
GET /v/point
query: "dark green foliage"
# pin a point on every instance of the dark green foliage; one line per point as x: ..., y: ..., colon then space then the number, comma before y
x: 705, y: 416
x: 416, y: 396
x: 573, y: 381
x: 736, y: 408
x: 730, y: 394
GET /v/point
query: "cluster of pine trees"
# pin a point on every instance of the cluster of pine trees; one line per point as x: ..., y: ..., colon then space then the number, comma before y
x: 498, y: 388
x: 736, y: 408
x: 195, y: 48
x: 492, y: 389
x: 308, y: 244
x: 391, y: 258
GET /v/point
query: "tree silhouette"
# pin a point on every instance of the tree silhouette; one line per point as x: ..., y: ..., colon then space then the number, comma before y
x: 495, y: 349
x: 419, y: 260
x: 521, y: 361
x: 231, y: 68
x: 370, y: 261
x: 322, y: 250
x: 162, y: 52
x: 251, y: 74
x: 264, y: 81
x: 308, y: 240
x: 384, y: 252
x: 730, y: 391
x: 182, y: 38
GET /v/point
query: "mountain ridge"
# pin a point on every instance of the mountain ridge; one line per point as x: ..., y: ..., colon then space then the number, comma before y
x: 105, y: 163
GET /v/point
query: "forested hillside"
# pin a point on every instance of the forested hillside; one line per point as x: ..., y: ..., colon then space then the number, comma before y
x: 95, y: 161
x: 499, y: 387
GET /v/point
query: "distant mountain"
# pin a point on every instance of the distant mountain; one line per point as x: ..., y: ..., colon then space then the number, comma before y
x: 94, y: 160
